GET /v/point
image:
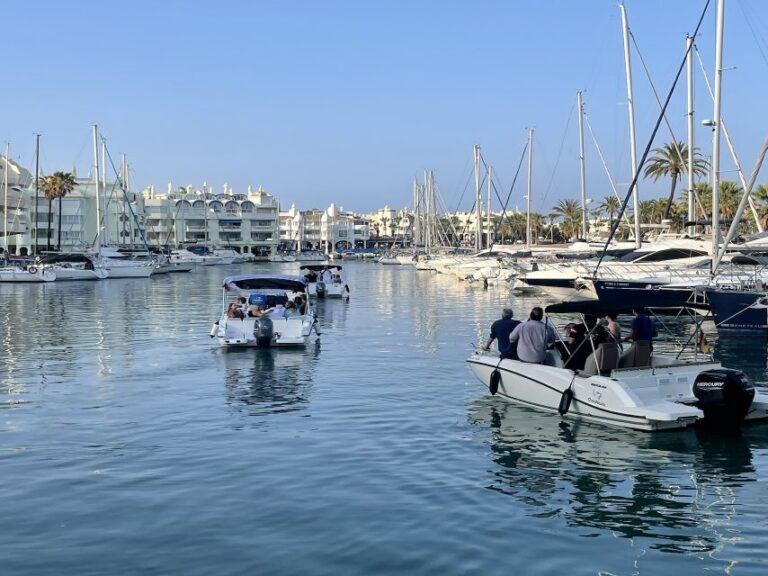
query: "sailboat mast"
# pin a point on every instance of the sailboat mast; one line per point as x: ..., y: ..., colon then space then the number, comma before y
x: 37, y: 191
x: 582, y: 170
x: 631, y: 112
x: 96, y: 181
x: 5, y: 200
x: 716, y: 130
x: 691, y: 198
x: 478, y: 200
x: 488, y: 206
x: 528, y: 196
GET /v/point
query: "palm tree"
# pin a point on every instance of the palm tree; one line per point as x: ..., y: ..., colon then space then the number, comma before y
x: 610, y: 205
x: 570, y: 212
x: 57, y: 185
x: 646, y: 211
x: 671, y: 160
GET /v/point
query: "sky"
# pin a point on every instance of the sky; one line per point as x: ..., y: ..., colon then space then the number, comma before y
x: 348, y: 101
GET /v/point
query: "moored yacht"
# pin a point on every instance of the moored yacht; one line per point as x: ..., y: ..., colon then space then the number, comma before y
x: 72, y: 265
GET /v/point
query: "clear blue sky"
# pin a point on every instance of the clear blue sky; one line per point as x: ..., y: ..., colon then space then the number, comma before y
x: 347, y: 101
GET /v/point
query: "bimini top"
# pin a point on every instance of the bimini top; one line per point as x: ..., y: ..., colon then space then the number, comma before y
x: 319, y: 267
x: 246, y: 282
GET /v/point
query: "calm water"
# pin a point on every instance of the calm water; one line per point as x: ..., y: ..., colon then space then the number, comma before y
x: 129, y: 444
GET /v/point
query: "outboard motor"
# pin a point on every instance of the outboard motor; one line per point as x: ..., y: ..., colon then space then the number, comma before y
x: 724, y: 396
x: 263, y: 330
x: 320, y: 289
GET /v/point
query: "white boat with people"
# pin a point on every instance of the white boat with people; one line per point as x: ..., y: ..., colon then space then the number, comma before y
x: 639, y: 388
x: 264, y: 311
x: 325, y: 281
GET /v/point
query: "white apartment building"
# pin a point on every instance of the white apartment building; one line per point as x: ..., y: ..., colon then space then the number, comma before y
x: 326, y: 230
x: 248, y: 223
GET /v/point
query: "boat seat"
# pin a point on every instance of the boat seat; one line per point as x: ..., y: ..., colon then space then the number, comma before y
x: 553, y: 358
x: 636, y: 356
x: 602, y: 360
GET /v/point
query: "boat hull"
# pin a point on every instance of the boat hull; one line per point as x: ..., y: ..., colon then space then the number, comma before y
x: 595, y: 398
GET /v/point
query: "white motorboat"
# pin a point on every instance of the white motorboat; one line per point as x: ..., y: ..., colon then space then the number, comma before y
x: 123, y: 265
x: 271, y: 329
x: 638, y: 389
x: 229, y: 256
x: 72, y: 266
x: 325, y: 281
x: 26, y: 274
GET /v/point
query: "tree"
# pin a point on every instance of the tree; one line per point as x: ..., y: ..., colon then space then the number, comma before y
x: 610, y: 205
x: 671, y: 160
x: 57, y: 185
x: 570, y: 212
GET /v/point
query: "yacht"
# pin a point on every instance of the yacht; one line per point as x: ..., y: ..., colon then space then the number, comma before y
x: 72, y: 265
x: 637, y: 389
x: 270, y: 292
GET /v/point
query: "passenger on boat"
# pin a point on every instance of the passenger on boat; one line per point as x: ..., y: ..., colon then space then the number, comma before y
x: 255, y: 311
x: 277, y: 311
x: 301, y: 306
x: 501, y: 330
x: 234, y: 311
x: 613, y: 327
x: 643, y: 328
x: 291, y: 311
x: 533, y: 337
x: 243, y: 305
x: 583, y: 339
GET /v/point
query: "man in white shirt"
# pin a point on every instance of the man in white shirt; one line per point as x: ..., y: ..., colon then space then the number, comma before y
x: 532, y: 338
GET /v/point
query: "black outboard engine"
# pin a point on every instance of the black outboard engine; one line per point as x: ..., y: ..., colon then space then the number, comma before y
x: 320, y: 286
x: 724, y: 396
x: 263, y: 330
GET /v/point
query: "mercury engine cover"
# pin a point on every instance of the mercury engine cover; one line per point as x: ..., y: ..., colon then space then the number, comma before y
x: 263, y: 330
x: 724, y: 396
x: 320, y: 287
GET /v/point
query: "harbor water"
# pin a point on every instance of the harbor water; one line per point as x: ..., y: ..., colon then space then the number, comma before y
x: 129, y: 444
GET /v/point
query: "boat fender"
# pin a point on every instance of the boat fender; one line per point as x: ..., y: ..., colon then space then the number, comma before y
x: 32, y: 270
x: 346, y: 287
x: 565, y: 401
x: 493, y: 385
x: 215, y: 328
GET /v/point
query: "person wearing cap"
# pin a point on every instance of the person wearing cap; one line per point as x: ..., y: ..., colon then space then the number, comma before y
x: 501, y: 331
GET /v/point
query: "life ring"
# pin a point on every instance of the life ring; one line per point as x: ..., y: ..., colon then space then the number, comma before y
x: 493, y: 385
x: 32, y: 270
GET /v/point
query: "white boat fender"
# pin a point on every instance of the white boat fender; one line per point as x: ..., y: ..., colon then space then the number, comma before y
x: 215, y: 328
x: 566, y: 398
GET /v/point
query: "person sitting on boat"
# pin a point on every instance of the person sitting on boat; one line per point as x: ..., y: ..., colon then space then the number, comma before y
x: 255, y: 311
x: 501, y: 330
x: 277, y: 311
x: 533, y: 337
x: 301, y: 305
x: 234, y: 311
x: 291, y: 311
x: 583, y: 339
x: 643, y: 328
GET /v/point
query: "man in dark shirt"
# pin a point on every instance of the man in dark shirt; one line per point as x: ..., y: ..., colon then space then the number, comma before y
x: 500, y: 331
x: 643, y: 328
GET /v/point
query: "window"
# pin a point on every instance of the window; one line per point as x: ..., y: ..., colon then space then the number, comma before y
x: 71, y: 219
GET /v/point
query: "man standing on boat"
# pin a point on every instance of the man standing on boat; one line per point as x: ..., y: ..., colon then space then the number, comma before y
x: 501, y: 330
x: 643, y: 328
x: 533, y: 337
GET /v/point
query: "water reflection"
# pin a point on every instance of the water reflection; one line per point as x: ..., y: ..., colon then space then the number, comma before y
x: 263, y: 381
x: 681, y: 490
